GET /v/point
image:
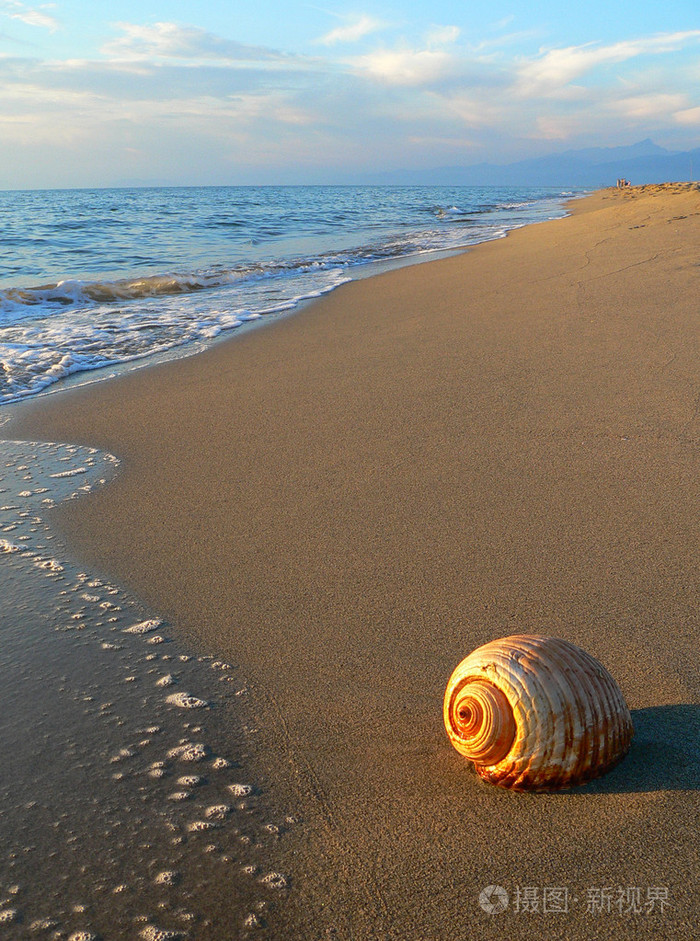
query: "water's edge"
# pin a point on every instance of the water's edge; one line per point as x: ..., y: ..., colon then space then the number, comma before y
x: 128, y: 804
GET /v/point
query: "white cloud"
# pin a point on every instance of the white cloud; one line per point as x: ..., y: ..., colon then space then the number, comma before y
x: 170, y: 41
x: 503, y: 22
x: 352, y: 31
x: 498, y: 43
x: 407, y: 66
x: 690, y: 116
x: 32, y: 16
x: 645, y: 107
x: 415, y: 67
x: 472, y: 109
x: 162, y: 90
x: 557, y: 67
x: 557, y: 127
x: 442, y: 35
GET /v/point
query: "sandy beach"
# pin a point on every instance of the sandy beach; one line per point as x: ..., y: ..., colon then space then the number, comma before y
x: 346, y: 502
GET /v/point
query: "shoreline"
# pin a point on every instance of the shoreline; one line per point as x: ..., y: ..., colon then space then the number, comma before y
x: 94, y: 721
x: 351, y: 500
x: 128, y: 310
x: 251, y: 319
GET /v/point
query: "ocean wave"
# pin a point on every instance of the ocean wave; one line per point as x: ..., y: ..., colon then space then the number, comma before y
x: 36, y: 353
x: 159, y: 280
x: 73, y: 292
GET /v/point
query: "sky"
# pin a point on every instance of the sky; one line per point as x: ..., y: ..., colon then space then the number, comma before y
x: 284, y: 91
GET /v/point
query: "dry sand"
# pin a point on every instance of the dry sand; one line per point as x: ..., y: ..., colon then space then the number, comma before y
x: 348, y: 501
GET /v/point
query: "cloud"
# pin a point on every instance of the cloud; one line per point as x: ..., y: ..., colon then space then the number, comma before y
x: 557, y: 127
x: 184, y: 97
x: 442, y: 36
x: 690, y: 116
x: 170, y: 41
x: 645, y: 107
x: 548, y: 73
x: 414, y: 67
x: 407, y: 66
x: 352, y: 31
x: 473, y: 108
x: 29, y: 15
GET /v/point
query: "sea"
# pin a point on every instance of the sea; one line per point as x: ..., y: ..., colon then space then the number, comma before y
x: 132, y: 803
x: 98, y: 278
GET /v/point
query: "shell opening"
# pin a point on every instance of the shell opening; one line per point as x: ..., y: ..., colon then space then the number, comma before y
x: 482, y: 720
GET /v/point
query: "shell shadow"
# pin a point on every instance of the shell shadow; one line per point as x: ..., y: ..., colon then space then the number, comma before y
x: 665, y: 753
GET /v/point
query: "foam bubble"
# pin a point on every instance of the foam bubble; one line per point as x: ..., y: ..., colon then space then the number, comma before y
x: 144, y: 627
x: 274, y: 880
x: 240, y: 790
x: 153, y: 933
x: 186, y: 701
x: 79, y: 606
x: 189, y: 751
x: 218, y: 811
x: 69, y: 473
x: 123, y: 753
x: 198, y: 825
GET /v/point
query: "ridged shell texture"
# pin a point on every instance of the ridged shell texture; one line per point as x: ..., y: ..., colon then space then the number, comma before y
x: 536, y: 713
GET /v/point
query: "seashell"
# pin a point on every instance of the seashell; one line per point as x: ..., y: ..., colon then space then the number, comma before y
x: 536, y: 713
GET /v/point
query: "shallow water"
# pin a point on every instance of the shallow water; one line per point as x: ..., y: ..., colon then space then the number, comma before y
x: 126, y: 805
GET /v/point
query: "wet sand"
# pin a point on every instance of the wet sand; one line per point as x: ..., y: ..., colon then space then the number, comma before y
x: 349, y: 500
x: 127, y: 809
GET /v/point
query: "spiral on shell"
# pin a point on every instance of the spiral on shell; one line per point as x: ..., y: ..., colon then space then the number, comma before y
x: 536, y: 713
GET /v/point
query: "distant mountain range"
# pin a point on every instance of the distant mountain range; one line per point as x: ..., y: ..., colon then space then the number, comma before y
x: 644, y: 162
